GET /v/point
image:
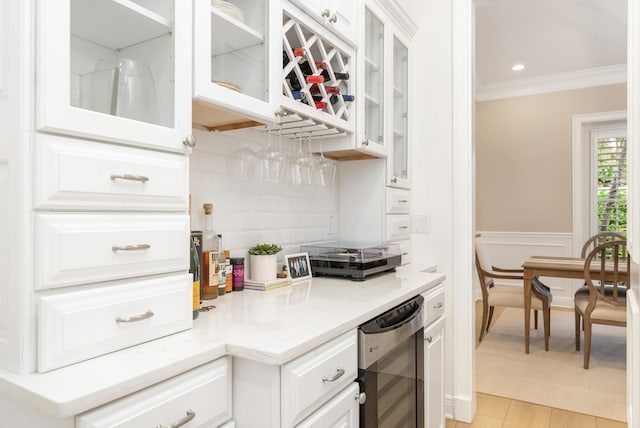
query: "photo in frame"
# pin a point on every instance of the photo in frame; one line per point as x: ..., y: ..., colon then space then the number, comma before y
x: 298, y: 266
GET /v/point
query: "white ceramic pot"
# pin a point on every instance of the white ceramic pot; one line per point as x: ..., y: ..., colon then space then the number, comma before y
x: 263, y: 268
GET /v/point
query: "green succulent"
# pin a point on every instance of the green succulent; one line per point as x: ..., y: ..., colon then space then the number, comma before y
x: 264, y: 249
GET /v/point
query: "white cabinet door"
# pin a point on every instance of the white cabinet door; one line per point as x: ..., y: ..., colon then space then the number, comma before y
x: 342, y: 411
x: 434, y: 374
x: 234, y: 49
x: 197, y: 398
x: 398, y: 160
x: 338, y: 16
x: 117, y: 70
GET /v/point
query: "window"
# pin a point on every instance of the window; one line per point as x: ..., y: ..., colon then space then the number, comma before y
x: 609, y: 180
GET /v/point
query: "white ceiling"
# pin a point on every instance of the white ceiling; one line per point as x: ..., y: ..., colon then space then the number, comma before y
x: 548, y: 37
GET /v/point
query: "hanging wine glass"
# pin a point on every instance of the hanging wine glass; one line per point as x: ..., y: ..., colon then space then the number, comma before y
x: 243, y: 163
x: 294, y: 166
x: 272, y: 161
x: 310, y: 163
x: 326, y: 171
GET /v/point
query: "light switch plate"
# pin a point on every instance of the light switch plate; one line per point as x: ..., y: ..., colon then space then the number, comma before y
x: 421, y: 223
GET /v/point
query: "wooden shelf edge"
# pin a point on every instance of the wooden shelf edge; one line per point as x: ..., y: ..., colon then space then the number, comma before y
x: 210, y: 118
x: 347, y: 155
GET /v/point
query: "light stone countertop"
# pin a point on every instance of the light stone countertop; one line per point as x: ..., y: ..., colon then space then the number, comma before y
x: 272, y: 327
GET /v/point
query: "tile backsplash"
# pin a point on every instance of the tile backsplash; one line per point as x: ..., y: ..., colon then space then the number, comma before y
x: 249, y: 211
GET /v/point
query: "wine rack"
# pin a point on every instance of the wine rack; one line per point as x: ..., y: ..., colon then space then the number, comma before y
x: 311, y: 109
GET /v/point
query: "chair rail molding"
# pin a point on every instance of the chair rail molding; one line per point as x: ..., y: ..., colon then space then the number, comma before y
x: 582, y: 124
x: 511, y: 249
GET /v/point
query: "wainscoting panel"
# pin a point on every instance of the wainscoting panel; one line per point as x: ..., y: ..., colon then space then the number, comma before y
x: 511, y: 249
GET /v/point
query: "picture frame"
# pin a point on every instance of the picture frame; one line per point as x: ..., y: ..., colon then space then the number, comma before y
x: 298, y: 266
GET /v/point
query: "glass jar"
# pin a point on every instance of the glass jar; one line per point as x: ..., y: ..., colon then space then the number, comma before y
x: 238, y: 273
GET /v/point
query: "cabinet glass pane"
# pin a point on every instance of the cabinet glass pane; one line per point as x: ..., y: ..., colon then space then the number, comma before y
x: 122, y: 58
x: 239, y: 46
x: 400, y: 106
x: 374, y: 78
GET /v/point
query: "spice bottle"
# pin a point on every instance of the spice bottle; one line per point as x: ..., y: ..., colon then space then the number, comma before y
x: 238, y: 273
x: 222, y: 268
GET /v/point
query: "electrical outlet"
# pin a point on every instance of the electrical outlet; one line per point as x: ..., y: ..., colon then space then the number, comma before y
x: 421, y: 223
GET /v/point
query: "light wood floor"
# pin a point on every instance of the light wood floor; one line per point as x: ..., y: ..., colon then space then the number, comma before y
x: 499, y: 412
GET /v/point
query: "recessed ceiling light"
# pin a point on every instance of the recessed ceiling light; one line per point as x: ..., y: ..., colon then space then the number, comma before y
x: 517, y: 67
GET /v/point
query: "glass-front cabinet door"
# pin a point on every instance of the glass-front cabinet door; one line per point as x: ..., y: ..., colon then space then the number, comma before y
x: 233, y: 46
x: 372, y: 131
x: 116, y: 70
x: 398, y: 161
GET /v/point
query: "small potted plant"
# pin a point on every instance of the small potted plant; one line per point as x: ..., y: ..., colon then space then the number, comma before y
x: 263, y: 264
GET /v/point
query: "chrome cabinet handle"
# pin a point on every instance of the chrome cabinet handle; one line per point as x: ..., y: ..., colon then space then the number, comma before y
x: 136, y: 247
x: 190, y: 415
x: 394, y: 180
x: 402, y: 201
x: 403, y: 227
x: 429, y: 339
x: 190, y: 141
x: 326, y: 13
x: 135, y: 318
x: 361, y: 397
x: 365, y: 142
x: 438, y: 306
x: 129, y: 177
x: 335, y: 377
x: 334, y: 18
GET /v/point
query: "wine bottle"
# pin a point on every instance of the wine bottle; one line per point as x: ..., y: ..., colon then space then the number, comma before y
x: 346, y: 98
x: 338, y: 75
x: 315, y: 89
x: 320, y: 105
x: 209, y: 279
x: 194, y: 269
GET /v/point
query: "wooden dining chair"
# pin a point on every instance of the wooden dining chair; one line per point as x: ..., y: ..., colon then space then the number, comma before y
x: 587, y: 247
x: 506, y: 295
x: 607, y: 263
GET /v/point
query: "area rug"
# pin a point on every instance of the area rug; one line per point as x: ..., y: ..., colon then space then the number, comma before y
x: 554, y: 378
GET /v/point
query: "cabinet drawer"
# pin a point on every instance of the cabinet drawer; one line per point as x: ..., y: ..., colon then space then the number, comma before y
x: 79, y: 248
x: 77, y: 325
x: 398, y: 201
x: 341, y: 411
x: 77, y: 174
x: 312, y: 379
x: 433, y: 304
x: 204, y: 392
x: 398, y: 227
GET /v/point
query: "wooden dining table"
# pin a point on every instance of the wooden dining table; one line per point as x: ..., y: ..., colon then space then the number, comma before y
x: 557, y: 267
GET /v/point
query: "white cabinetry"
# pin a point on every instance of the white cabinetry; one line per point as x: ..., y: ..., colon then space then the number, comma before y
x: 95, y: 184
x: 434, y: 322
x: 316, y: 389
x: 200, y: 397
x: 115, y: 70
x: 337, y: 15
x: 236, y: 74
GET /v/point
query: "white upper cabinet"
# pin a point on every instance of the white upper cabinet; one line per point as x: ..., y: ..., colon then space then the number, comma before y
x: 398, y: 161
x: 234, y: 76
x: 337, y: 15
x: 116, y: 70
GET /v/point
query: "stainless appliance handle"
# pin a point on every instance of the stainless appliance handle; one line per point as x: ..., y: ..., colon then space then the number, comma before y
x: 374, y: 343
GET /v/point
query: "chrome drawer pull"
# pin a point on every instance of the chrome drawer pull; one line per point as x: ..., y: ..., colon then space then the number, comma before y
x: 335, y: 377
x: 403, y: 227
x: 190, y: 415
x: 135, y: 318
x: 334, y: 18
x: 429, y: 339
x: 130, y: 177
x: 402, y: 201
x: 326, y: 13
x: 438, y: 306
x: 136, y: 247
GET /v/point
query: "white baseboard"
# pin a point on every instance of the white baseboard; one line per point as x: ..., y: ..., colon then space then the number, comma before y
x: 463, y: 406
x: 511, y: 249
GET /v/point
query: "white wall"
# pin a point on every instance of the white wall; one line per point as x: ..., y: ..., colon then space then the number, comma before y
x: 442, y: 173
x: 252, y: 211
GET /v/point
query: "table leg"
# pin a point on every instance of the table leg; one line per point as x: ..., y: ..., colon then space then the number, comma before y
x: 527, y: 308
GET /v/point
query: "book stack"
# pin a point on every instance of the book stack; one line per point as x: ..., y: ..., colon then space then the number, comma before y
x: 266, y: 285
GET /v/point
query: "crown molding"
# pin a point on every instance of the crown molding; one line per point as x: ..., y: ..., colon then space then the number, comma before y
x: 599, y: 76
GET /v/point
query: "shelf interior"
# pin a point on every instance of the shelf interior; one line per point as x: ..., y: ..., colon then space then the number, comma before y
x: 237, y: 35
x: 96, y: 20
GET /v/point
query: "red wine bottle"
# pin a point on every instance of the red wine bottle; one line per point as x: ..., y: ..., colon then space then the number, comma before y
x: 315, y: 89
